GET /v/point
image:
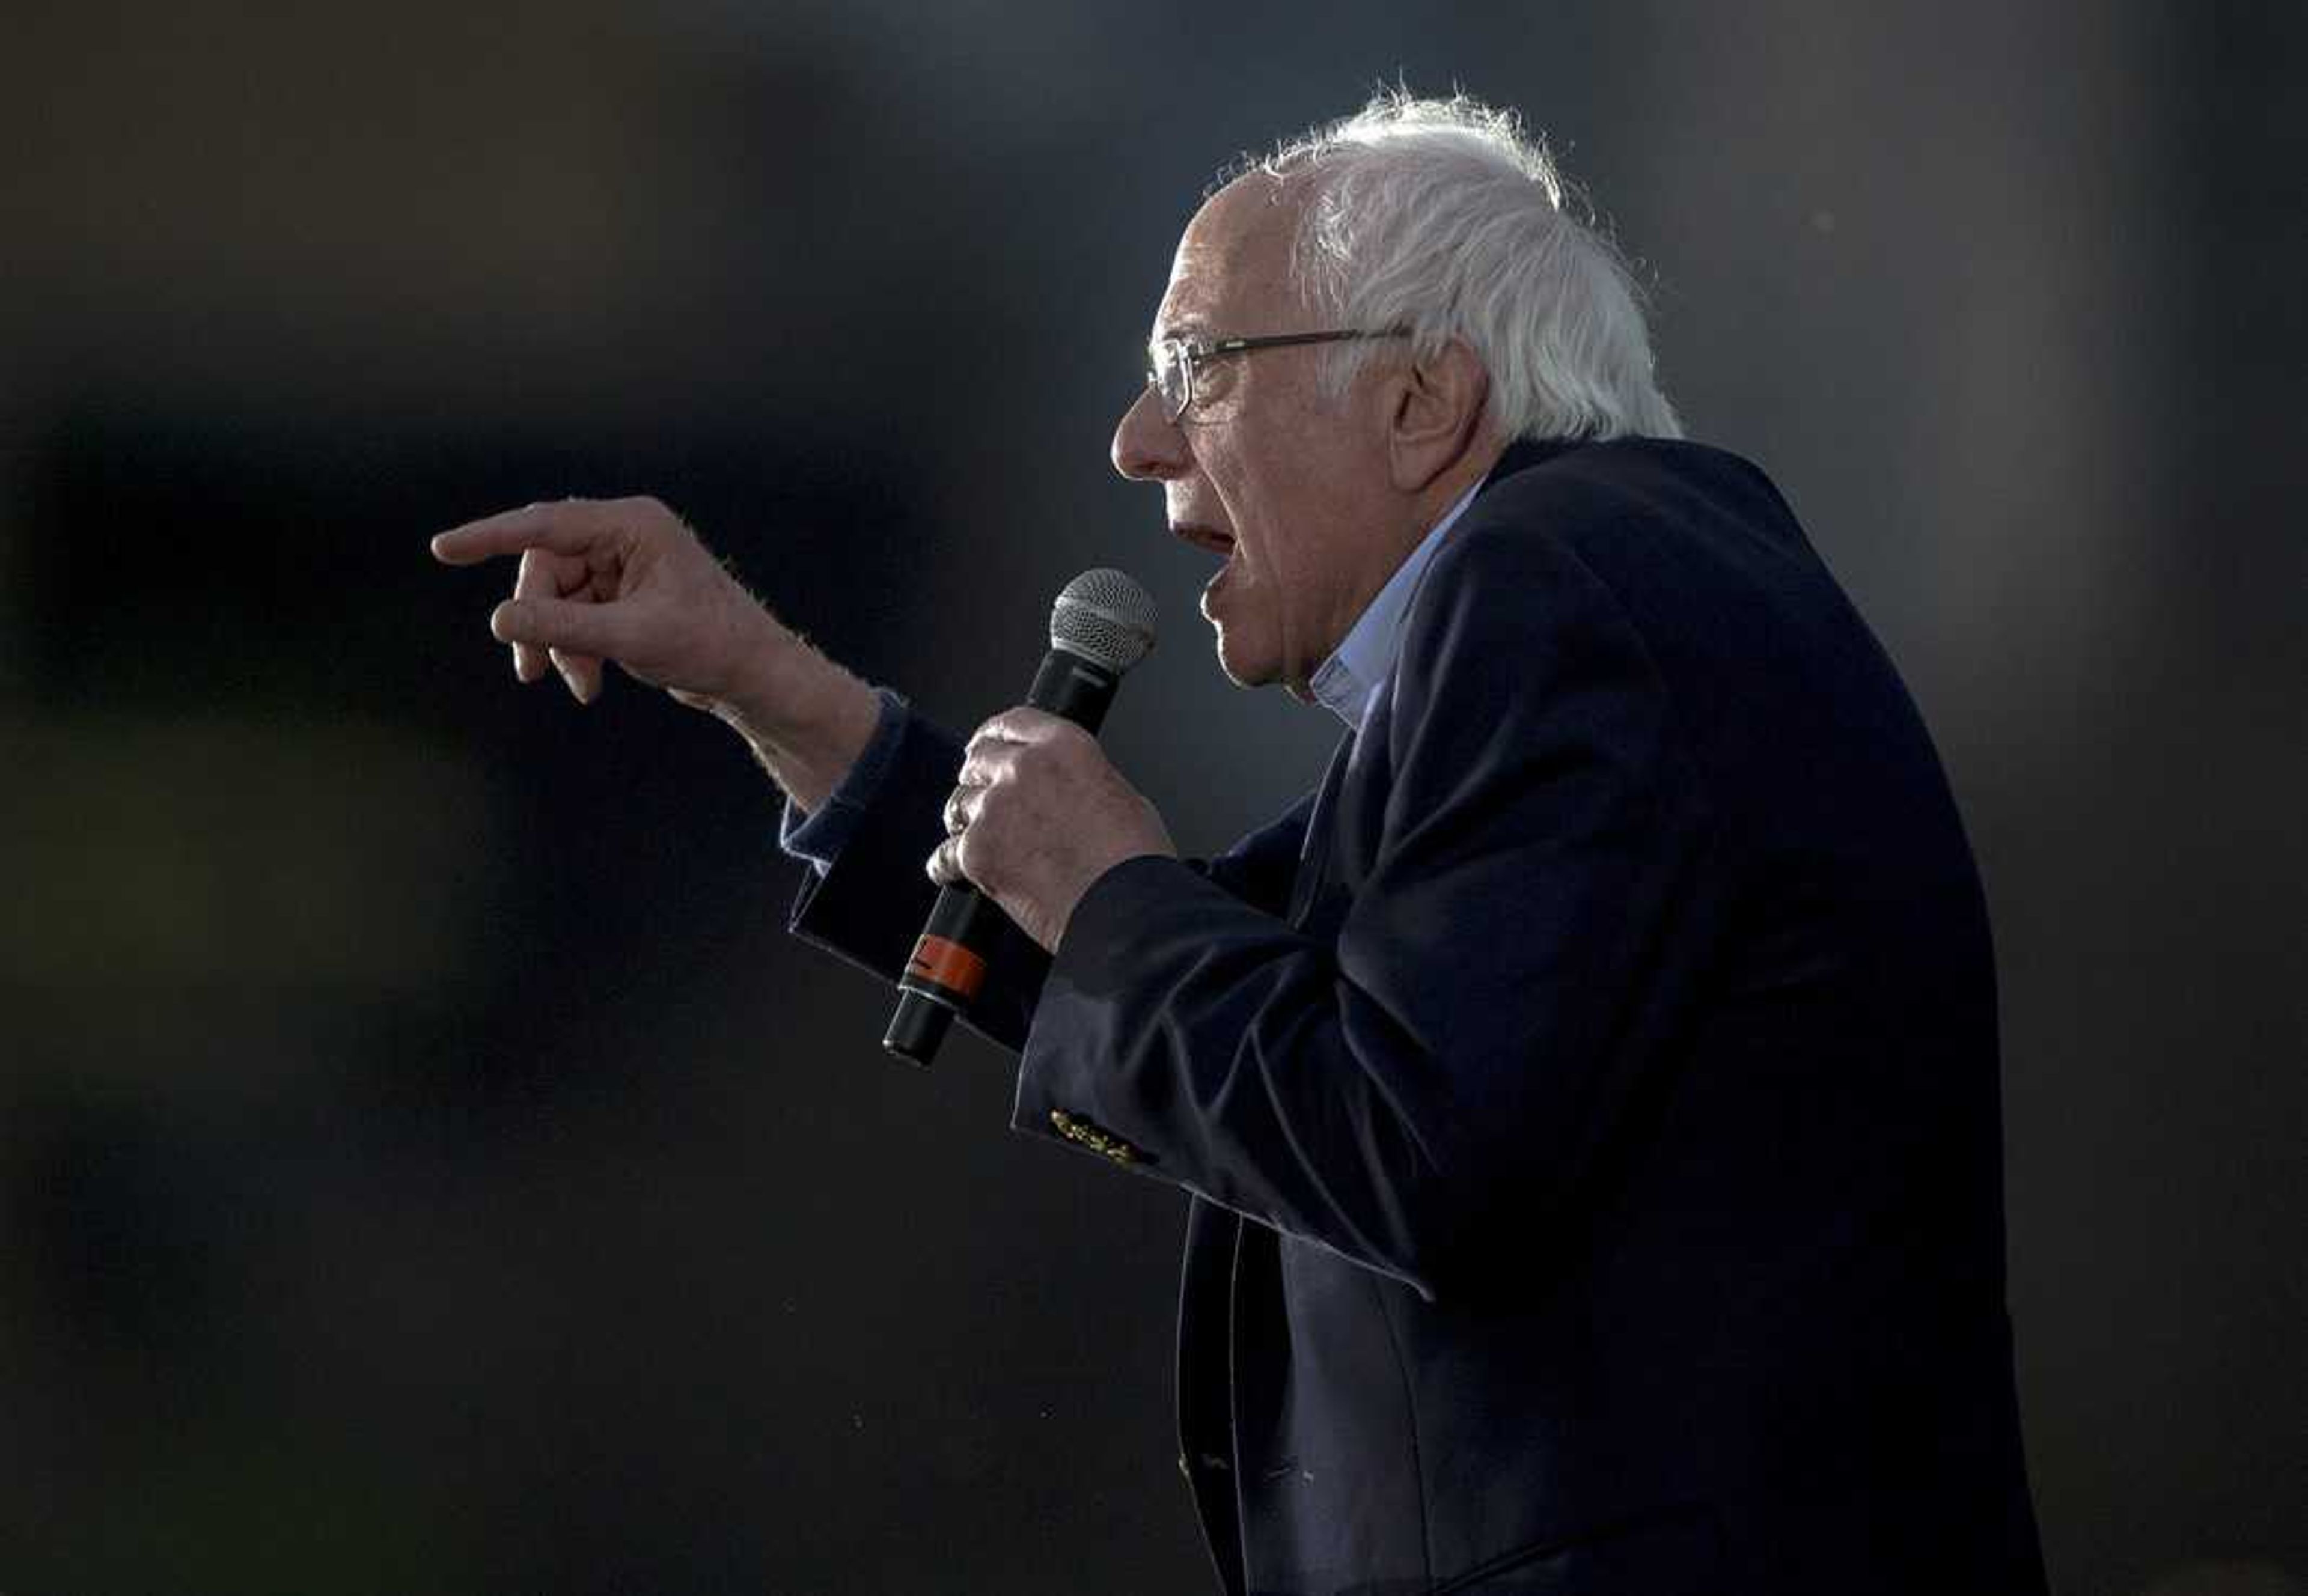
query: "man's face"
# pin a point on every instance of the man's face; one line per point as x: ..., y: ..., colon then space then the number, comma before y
x: 1293, y: 489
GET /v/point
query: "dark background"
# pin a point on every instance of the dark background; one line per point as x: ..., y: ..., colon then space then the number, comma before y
x: 426, y: 1165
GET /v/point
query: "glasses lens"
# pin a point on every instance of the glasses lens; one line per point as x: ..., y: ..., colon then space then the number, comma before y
x: 1172, y: 376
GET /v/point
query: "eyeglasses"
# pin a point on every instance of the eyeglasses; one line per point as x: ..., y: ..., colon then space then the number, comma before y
x: 1171, y: 364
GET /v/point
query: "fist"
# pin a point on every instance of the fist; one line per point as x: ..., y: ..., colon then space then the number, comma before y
x: 1038, y: 814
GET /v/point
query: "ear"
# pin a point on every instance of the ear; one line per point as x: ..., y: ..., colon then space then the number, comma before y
x: 1435, y: 416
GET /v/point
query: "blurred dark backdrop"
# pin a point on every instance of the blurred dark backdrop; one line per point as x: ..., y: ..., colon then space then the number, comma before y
x: 425, y: 1162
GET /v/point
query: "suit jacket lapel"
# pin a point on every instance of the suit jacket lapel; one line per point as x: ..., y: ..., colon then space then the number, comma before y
x: 1314, y: 857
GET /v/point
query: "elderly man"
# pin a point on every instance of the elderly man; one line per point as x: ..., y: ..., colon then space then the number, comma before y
x: 1587, y: 1094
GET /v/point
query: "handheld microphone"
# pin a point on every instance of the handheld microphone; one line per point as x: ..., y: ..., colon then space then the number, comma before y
x: 1101, y: 625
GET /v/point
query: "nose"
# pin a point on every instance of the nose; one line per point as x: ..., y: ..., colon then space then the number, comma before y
x: 1148, y: 447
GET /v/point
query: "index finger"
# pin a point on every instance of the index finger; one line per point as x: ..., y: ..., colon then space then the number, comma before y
x: 566, y: 526
x: 1022, y: 723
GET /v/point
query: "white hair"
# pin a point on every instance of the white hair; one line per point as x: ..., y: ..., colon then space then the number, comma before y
x: 1442, y: 218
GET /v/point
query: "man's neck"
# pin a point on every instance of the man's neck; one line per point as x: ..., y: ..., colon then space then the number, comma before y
x: 1363, y: 654
x: 1424, y: 512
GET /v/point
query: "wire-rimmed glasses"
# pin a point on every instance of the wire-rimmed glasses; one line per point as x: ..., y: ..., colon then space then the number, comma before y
x: 1172, y: 363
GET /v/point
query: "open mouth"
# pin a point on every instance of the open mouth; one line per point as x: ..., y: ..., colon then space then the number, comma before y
x: 1205, y: 537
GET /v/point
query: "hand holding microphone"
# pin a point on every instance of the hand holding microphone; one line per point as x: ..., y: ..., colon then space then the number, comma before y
x: 1038, y: 814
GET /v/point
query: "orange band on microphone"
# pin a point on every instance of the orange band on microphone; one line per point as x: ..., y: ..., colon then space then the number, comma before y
x: 949, y: 964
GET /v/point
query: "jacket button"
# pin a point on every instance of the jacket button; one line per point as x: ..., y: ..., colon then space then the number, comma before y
x: 1093, y: 1136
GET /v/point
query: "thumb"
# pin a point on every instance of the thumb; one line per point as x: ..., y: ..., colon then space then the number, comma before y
x: 566, y: 625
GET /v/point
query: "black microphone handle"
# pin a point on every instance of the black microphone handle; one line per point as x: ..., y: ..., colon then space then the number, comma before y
x: 1074, y: 689
x: 949, y: 962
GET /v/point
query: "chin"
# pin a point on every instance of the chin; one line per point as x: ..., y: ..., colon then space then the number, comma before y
x: 1244, y: 670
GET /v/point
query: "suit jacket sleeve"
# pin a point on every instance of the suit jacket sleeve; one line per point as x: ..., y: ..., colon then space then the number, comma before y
x: 867, y: 903
x: 1449, y: 1066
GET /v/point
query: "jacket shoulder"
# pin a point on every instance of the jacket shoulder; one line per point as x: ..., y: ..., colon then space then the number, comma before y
x: 1586, y: 494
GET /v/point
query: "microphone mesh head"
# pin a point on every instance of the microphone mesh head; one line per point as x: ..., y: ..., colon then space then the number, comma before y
x: 1105, y: 617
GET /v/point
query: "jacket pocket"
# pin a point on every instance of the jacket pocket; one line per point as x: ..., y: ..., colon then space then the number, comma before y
x: 1673, y: 1551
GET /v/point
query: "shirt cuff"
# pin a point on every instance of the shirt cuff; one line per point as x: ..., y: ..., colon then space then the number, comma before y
x: 818, y: 837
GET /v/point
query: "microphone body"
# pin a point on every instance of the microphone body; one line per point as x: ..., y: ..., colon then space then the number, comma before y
x: 1101, y: 626
x: 948, y: 967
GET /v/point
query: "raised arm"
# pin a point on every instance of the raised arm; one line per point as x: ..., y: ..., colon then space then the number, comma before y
x: 625, y: 580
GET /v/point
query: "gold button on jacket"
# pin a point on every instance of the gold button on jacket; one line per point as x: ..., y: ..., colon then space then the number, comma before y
x: 1093, y: 1136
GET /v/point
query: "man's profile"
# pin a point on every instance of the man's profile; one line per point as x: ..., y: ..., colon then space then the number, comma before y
x: 1588, y: 1093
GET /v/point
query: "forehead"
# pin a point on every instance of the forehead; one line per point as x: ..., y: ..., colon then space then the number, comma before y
x: 1233, y: 264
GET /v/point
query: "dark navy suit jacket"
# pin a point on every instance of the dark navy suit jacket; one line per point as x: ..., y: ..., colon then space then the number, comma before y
x: 1588, y: 1096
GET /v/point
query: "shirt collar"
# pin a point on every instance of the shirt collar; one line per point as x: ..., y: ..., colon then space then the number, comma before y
x: 1348, y: 682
